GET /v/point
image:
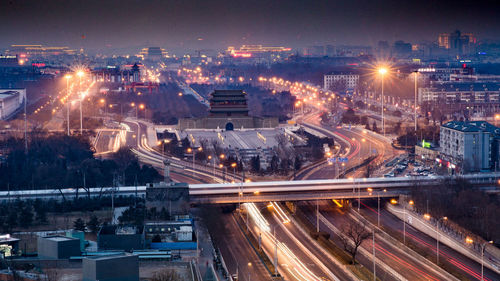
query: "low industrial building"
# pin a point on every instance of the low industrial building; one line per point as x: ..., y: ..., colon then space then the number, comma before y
x: 120, y: 267
x: 58, y: 247
x: 125, y: 238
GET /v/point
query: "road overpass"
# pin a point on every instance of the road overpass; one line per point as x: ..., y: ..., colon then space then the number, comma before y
x: 220, y: 193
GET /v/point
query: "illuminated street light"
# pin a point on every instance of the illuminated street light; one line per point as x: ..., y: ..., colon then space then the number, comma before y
x: 67, y: 76
x: 437, y: 238
x: 80, y: 74
x: 382, y: 71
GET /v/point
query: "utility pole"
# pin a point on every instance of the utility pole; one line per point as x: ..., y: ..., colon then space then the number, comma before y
x: 317, y: 215
x: 374, y: 263
x: 415, y: 105
x: 25, y: 125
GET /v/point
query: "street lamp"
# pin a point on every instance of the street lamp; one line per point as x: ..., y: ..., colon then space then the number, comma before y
x: 437, y: 239
x: 249, y: 270
x: 193, y: 151
x: 404, y: 220
x: 233, y: 165
x: 67, y: 76
x: 382, y: 71
x: 415, y: 105
x: 483, y: 247
x: 80, y: 75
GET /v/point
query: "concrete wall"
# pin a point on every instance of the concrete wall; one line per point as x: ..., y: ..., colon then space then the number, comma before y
x: 238, y: 122
x: 115, y: 268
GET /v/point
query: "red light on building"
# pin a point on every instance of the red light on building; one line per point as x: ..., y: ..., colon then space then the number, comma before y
x: 38, y: 64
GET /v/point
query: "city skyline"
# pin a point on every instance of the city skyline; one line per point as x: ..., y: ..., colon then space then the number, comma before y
x: 125, y: 26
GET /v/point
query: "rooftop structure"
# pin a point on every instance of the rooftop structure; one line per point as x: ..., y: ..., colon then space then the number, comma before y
x: 229, y: 111
x: 250, y: 50
x: 228, y: 103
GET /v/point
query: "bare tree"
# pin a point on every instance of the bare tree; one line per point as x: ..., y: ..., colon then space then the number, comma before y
x: 166, y: 275
x: 353, y: 236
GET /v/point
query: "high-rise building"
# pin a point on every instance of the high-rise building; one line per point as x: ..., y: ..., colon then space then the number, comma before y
x: 460, y: 43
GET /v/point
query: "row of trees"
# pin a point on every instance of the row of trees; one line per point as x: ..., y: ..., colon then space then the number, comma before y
x: 26, y: 213
x: 468, y: 206
x: 60, y: 161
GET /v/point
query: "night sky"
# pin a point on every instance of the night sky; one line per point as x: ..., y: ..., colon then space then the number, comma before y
x: 187, y: 24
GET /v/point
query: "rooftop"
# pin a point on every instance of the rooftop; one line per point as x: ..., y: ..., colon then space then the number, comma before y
x: 466, y: 86
x: 108, y: 257
x: 472, y: 126
x: 59, y: 238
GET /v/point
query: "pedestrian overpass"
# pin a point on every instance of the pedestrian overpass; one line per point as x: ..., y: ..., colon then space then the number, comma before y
x: 222, y: 193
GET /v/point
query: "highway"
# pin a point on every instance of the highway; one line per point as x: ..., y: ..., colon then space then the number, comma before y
x: 460, y: 263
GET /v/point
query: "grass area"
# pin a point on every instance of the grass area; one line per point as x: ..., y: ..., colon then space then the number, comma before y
x: 255, y: 245
x: 338, y: 253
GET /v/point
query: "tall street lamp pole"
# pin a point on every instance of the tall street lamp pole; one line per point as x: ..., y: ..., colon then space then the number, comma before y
x: 483, y: 247
x: 382, y: 72
x: 80, y: 75
x: 415, y: 105
x: 67, y: 101
x: 437, y: 238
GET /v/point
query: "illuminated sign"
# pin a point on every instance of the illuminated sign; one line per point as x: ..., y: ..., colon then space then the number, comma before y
x: 242, y: 55
x: 426, y: 144
x: 38, y: 64
x: 8, y: 57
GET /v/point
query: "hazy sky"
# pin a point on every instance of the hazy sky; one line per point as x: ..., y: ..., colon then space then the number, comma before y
x: 178, y: 24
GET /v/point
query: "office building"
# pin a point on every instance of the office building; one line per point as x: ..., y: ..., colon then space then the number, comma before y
x: 335, y: 80
x: 469, y: 146
x: 457, y: 42
x: 473, y: 98
x: 58, y: 247
x: 119, y: 267
x: 11, y: 101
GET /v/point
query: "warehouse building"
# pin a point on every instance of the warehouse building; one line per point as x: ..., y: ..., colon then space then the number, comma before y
x: 58, y: 247
x: 120, y: 267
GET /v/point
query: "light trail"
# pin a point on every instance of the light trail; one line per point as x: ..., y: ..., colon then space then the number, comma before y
x: 295, y: 267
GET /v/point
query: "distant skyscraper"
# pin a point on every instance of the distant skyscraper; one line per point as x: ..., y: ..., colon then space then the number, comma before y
x: 444, y: 40
x: 458, y: 42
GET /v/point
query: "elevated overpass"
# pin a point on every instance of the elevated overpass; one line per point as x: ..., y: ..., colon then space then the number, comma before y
x: 220, y: 193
